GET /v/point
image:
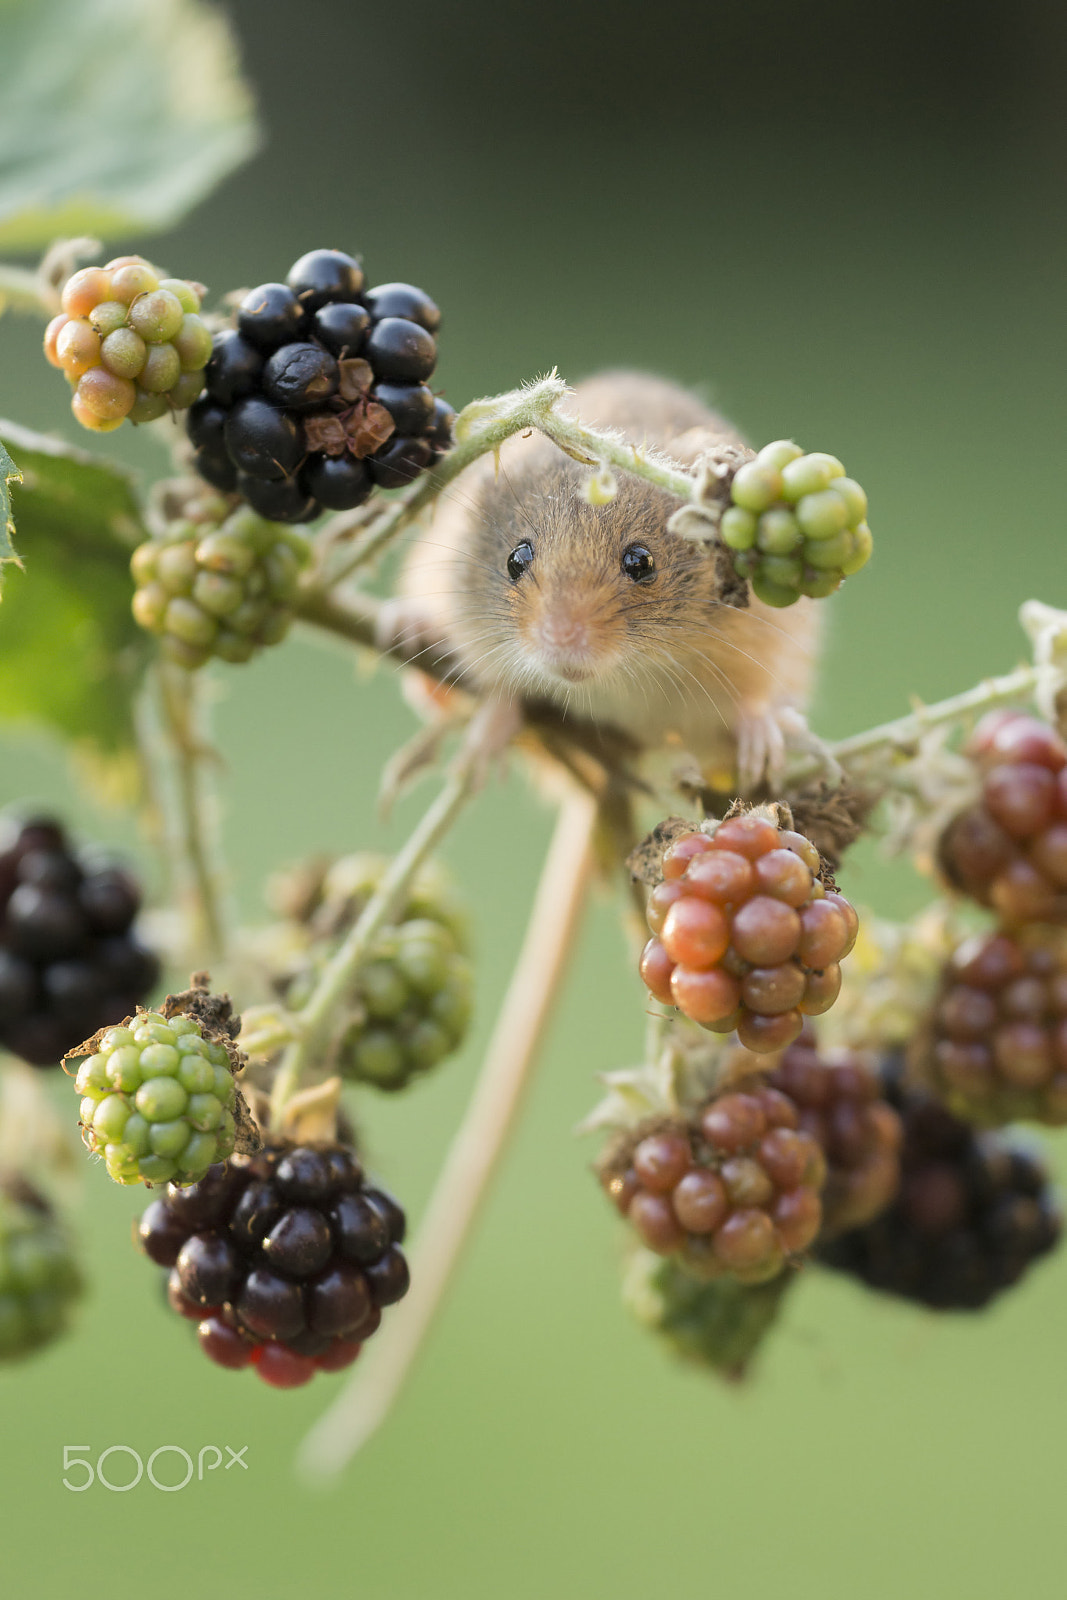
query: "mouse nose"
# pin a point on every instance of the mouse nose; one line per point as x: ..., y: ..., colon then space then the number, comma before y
x: 566, y: 631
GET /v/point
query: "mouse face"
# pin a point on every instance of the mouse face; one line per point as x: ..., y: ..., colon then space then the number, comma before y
x: 567, y: 597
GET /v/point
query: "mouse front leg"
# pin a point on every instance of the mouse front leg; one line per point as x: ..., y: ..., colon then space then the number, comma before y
x: 766, y: 736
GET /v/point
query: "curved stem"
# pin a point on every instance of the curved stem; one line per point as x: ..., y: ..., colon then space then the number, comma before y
x: 177, y: 696
x: 908, y: 730
x: 476, y: 1149
x: 314, y: 1020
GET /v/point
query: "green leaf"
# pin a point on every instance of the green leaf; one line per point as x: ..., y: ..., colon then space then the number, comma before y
x: 117, y: 116
x: 71, y: 656
x: 9, y: 473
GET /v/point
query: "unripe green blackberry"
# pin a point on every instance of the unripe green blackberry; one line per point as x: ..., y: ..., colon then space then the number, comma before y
x: 796, y: 526
x: 720, y: 1324
x: 39, y: 1276
x: 130, y: 341
x: 210, y: 589
x: 158, y: 1100
x: 410, y: 1005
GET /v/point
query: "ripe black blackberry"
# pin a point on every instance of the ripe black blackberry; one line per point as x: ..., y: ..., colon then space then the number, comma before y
x: 319, y: 395
x: 286, y: 1259
x: 39, y: 1276
x: 974, y: 1212
x: 69, y: 961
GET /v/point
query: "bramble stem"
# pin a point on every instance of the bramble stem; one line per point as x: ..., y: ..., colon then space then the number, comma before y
x: 178, y: 698
x: 484, y: 425
x: 905, y: 731
x: 476, y: 1149
x: 24, y: 290
x: 314, y: 1020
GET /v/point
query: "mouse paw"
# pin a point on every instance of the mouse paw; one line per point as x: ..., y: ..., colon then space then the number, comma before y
x: 493, y: 727
x: 761, y: 746
x: 405, y: 626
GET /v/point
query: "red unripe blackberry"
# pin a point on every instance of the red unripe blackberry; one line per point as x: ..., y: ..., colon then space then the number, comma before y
x: 284, y: 1258
x: 744, y: 934
x: 974, y: 1212
x: 735, y: 1190
x: 995, y: 1046
x: 838, y: 1095
x: 1009, y: 850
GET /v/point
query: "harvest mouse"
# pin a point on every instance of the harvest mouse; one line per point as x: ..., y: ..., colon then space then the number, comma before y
x: 598, y: 607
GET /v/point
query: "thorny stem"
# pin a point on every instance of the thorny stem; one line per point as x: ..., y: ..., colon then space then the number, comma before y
x: 477, y: 1147
x: 315, y: 1019
x: 484, y: 426
x: 178, y: 703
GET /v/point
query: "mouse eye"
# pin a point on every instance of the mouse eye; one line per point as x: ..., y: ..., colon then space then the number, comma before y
x: 519, y: 560
x: 638, y: 563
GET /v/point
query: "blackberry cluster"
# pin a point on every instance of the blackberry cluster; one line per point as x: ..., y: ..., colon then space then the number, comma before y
x: 130, y: 341
x: 319, y: 395
x: 995, y: 1048
x: 797, y: 524
x: 736, y: 1191
x: 412, y: 998
x: 39, y: 1276
x: 218, y: 585
x: 973, y: 1213
x: 719, y: 1324
x: 839, y: 1098
x: 285, y: 1259
x: 744, y: 935
x: 1009, y: 850
x: 69, y: 961
x: 157, y: 1100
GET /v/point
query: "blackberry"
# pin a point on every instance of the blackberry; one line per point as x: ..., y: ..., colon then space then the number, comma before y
x: 733, y: 1191
x: 410, y: 1005
x: 130, y: 341
x: 995, y: 1046
x: 218, y: 588
x: 744, y: 934
x: 286, y: 1259
x: 797, y: 524
x: 70, y: 962
x: 974, y: 1212
x: 838, y: 1095
x: 319, y: 394
x: 1009, y: 850
x: 158, y: 1099
x: 39, y: 1276
x: 719, y: 1324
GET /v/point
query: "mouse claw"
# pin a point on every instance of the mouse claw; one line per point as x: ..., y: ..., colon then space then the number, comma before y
x: 493, y: 727
x: 761, y: 747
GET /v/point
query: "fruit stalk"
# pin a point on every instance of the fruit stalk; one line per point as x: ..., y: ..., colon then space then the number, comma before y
x: 477, y: 1146
x: 315, y: 1018
x: 178, y: 709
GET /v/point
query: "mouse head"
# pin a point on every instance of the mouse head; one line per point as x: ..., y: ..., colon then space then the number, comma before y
x: 581, y: 595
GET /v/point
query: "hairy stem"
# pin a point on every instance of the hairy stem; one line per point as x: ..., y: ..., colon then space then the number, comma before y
x: 180, y: 718
x: 476, y: 1149
x: 906, y: 731
x: 25, y: 290
x: 316, y: 1018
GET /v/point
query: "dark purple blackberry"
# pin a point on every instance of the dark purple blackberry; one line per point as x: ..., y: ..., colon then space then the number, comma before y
x: 69, y: 963
x: 399, y: 462
x: 286, y: 1258
x: 300, y: 377
x: 319, y: 396
x: 270, y: 316
x: 233, y: 371
x: 403, y: 300
x: 341, y: 328
x: 337, y: 482
x: 401, y: 351
x: 262, y: 440
x: 973, y: 1213
x: 323, y: 276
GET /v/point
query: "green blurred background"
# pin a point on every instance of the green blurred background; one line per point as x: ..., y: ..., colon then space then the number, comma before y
x: 848, y: 225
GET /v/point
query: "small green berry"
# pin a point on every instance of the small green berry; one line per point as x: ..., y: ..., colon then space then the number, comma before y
x: 738, y: 528
x: 755, y: 486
